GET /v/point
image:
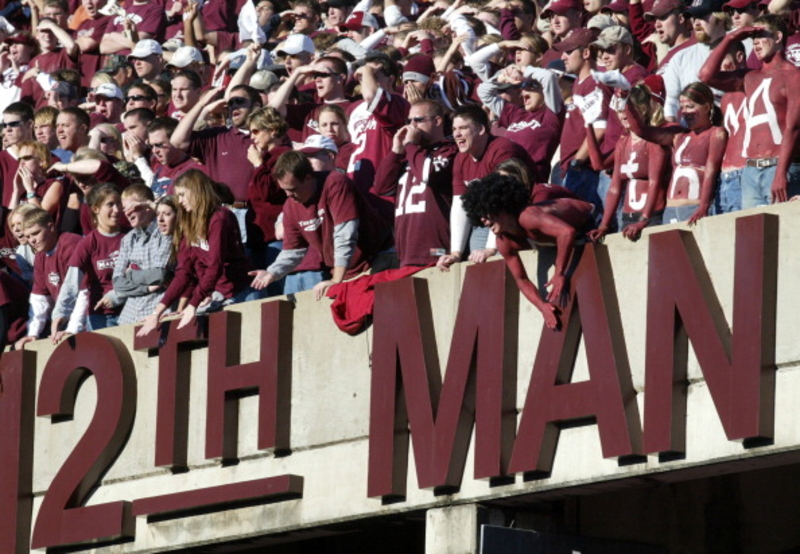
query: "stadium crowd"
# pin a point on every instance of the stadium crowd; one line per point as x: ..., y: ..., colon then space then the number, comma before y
x: 177, y: 156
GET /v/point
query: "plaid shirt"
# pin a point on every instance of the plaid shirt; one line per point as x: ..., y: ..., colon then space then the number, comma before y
x: 140, y: 249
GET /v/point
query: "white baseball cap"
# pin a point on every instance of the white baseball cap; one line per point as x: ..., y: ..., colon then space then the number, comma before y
x: 146, y: 47
x: 185, y: 55
x: 317, y: 143
x: 297, y: 43
x: 109, y: 91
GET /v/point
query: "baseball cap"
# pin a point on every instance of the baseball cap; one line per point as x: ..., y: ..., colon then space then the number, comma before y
x: 601, y: 21
x: 663, y: 7
x: 616, y: 6
x: 146, y: 47
x: 613, y: 35
x: 738, y: 4
x: 561, y: 7
x: 356, y: 20
x: 577, y: 38
x: 22, y: 38
x: 701, y: 8
x: 419, y: 68
x: 185, y: 55
x: 262, y: 80
x: 317, y: 143
x: 656, y: 85
x: 109, y: 91
x: 295, y: 44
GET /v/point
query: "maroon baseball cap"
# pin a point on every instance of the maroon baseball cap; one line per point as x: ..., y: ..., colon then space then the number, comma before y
x: 561, y: 7
x: 577, y: 38
x: 616, y: 6
x: 663, y: 7
x: 738, y: 4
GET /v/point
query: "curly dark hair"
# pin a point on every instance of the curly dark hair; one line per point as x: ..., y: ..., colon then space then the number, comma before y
x: 493, y: 195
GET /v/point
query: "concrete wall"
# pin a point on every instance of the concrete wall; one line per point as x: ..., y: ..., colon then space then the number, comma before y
x: 330, y: 413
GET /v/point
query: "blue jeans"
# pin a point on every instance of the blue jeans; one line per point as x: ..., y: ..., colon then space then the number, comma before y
x: 676, y: 214
x: 302, y: 280
x: 757, y: 185
x: 477, y: 238
x: 100, y: 321
x: 729, y: 195
x: 583, y: 182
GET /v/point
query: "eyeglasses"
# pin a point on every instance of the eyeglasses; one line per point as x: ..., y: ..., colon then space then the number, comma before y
x: 136, y: 98
x: 12, y: 124
x: 238, y: 102
x: 419, y: 119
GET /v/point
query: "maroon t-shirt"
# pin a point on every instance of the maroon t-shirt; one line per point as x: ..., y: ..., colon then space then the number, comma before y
x: 224, y: 152
x: 47, y: 62
x: 538, y: 132
x: 335, y: 201
x: 573, y: 133
x: 95, y: 256
x: 49, y: 269
x: 8, y: 169
x: 467, y: 169
x: 147, y: 18
x: 8, y: 248
x: 217, y: 264
x: 220, y: 15
x: 90, y: 61
x: 15, y: 295
x: 422, y: 180
x: 372, y: 127
x: 266, y: 197
x: 164, y: 175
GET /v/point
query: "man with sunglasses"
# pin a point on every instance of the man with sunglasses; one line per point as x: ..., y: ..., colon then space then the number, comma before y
x: 17, y: 127
x: 418, y: 172
x: 329, y: 75
x: 772, y: 125
x: 223, y: 149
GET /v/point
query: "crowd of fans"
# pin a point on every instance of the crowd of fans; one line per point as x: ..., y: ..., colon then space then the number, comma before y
x: 176, y: 156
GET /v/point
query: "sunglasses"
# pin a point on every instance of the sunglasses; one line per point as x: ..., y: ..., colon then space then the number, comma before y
x: 136, y: 98
x: 238, y: 102
x: 321, y: 75
x: 108, y: 140
x: 301, y: 16
x: 28, y: 158
x: 12, y: 124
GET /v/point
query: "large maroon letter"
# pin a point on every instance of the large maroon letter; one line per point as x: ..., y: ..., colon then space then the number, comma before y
x: 270, y: 377
x: 479, y: 384
x: 63, y: 519
x: 17, y: 400
x: 174, y: 369
x: 739, y: 367
x: 608, y: 396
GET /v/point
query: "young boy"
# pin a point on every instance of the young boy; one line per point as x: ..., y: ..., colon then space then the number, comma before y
x: 50, y: 265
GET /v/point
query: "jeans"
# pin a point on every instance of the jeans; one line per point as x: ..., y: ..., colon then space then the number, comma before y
x: 757, y: 185
x: 100, y: 321
x: 302, y: 281
x: 729, y: 195
x: 477, y: 238
x: 676, y: 214
x: 582, y: 180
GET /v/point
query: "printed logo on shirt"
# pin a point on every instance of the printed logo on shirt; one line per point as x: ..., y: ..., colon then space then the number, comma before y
x: 793, y: 54
x: 7, y: 253
x: 311, y: 225
x: 109, y: 262
x: 440, y: 162
x: 364, y: 125
x: 135, y: 17
x: 522, y: 125
x: 54, y: 278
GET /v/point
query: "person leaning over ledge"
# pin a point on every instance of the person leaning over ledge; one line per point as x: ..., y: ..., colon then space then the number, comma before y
x: 326, y: 211
x: 555, y: 215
